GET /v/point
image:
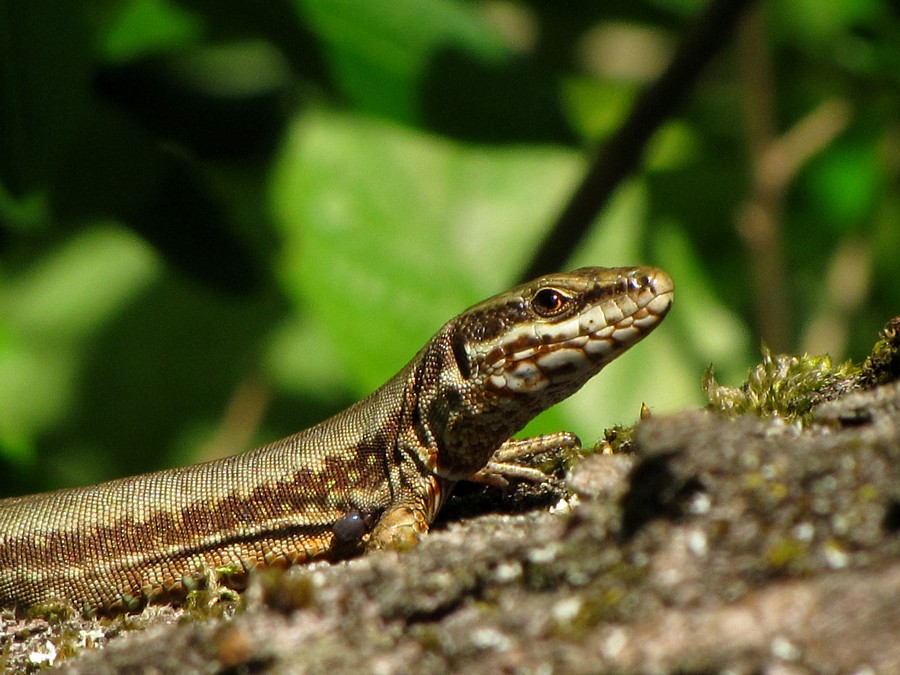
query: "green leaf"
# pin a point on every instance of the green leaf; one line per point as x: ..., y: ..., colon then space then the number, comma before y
x: 378, y: 50
x: 437, y: 65
x: 389, y: 233
x: 845, y: 183
x: 820, y: 23
x: 47, y: 314
x: 147, y: 26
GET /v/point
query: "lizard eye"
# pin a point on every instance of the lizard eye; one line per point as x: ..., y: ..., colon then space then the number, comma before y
x: 549, y: 302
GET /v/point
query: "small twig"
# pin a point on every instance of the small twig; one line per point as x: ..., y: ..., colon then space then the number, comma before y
x: 848, y: 280
x: 241, y: 419
x: 775, y: 162
x: 759, y: 220
x: 783, y: 158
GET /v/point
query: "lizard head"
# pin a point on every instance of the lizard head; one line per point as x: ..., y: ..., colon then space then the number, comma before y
x: 548, y: 337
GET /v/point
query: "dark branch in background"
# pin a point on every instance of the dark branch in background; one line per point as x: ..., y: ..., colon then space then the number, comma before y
x: 620, y: 155
x: 760, y: 220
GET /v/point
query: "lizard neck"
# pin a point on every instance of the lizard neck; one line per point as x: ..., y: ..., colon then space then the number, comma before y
x: 453, y: 424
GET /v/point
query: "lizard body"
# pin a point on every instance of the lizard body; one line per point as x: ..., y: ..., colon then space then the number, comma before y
x: 372, y: 476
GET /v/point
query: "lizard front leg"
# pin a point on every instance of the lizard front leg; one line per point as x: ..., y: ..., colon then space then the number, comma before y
x: 403, y: 523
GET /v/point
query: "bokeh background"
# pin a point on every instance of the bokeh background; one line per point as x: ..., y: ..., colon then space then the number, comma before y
x: 221, y: 222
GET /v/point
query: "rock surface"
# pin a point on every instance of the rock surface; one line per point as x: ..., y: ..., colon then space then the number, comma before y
x: 739, y: 544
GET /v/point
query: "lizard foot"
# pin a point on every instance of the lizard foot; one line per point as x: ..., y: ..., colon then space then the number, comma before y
x: 400, y: 528
x: 515, y: 459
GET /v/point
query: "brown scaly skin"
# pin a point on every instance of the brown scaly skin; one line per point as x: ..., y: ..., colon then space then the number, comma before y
x: 370, y: 477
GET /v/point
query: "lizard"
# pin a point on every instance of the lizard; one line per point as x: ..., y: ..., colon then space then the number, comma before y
x: 373, y: 476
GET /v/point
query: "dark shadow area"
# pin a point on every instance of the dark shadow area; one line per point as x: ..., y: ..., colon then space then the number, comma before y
x: 655, y: 492
x: 505, y: 102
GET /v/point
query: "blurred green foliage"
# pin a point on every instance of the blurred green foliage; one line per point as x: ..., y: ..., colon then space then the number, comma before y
x: 222, y: 221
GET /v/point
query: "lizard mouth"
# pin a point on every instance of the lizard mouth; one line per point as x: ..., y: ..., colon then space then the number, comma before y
x: 543, y: 354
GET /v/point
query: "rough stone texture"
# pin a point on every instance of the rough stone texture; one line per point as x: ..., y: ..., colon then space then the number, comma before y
x: 742, y: 544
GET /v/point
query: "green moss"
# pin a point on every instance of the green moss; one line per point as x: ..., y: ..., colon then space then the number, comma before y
x: 215, y: 601
x: 790, y: 387
x: 783, y: 386
x: 286, y: 592
x: 54, y: 612
x: 601, y: 602
x: 616, y: 440
x: 754, y: 481
x: 429, y: 638
x: 211, y: 592
x: 868, y: 493
x: 883, y: 364
x: 786, y: 553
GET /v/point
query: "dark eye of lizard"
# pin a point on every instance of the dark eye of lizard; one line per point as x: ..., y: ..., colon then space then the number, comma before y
x: 549, y: 302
